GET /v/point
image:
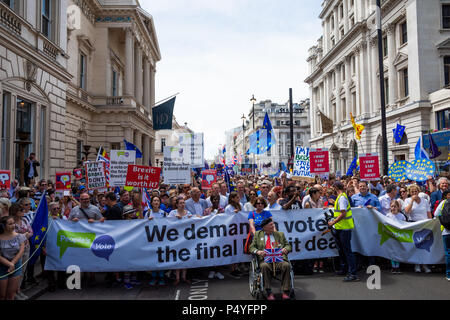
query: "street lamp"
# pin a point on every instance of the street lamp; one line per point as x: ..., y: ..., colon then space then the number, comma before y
x: 243, y: 135
x: 253, y: 100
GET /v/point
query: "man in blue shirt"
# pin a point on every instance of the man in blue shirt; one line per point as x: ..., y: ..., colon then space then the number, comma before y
x: 365, y: 199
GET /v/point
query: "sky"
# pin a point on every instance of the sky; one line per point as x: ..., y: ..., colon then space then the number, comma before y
x: 218, y: 53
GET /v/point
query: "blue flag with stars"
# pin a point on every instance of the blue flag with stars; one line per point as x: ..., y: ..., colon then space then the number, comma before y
x: 39, y: 226
x: 130, y: 146
x: 398, y: 133
x: 262, y: 140
x: 352, y: 166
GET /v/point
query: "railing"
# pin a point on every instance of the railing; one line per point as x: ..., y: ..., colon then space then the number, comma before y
x: 9, y: 19
x: 50, y: 49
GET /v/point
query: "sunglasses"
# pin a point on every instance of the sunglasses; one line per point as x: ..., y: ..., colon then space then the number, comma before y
x: 259, y: 203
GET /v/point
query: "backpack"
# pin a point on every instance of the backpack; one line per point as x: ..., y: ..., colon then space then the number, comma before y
x: 444, y: 217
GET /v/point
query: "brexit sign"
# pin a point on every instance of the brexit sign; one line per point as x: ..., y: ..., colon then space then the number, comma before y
x: 319, y: 161
x: 369, y: 167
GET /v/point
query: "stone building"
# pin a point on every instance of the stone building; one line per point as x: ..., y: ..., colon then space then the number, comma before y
x: 113, y: 52
x: 344, y: 75
x: 75, y: 73
x: 33, y: 84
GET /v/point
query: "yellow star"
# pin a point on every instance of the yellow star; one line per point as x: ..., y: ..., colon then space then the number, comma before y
x: 36, y: 238
x: 43, y: 229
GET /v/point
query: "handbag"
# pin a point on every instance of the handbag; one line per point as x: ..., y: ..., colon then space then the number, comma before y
x: 249, y: 240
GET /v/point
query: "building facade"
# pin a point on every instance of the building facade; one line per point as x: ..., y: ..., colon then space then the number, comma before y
x: 75, y: 75
x: 33, y: 84
x: 113, y: 52
x: 344, y: 76
x: 280, y: 152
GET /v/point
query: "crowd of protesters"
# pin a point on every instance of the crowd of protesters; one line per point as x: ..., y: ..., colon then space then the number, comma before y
x: 257, y: 195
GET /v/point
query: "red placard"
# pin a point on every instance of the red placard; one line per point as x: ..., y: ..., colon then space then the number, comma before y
x: 319, y: 161
x: 369, y: 167
x: 209, y: 177
x: 143, y: 176
x: 5, y: 179
x: 63, y: 181
x: 78, y: 173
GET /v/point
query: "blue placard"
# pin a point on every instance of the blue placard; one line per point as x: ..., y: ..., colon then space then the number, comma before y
x: 397, y: 171
x: 420, y: 170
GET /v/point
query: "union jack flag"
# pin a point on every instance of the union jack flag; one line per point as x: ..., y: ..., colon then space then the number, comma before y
x: 103, y: 156
x: 146, y: 204
x: 273, y: 255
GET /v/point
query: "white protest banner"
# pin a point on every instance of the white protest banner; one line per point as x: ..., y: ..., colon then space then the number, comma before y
x: 120, y: 159
x: 193, y: 151
x: 176, y: 173
x: 173, y: 155
x: 170, y: 243
x: 301, y: 163
x: 95, y: 175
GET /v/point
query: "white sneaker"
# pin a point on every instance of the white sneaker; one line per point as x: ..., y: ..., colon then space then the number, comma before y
x: 21, y: 296
x: 211, y: 275
x: 219, y: 276
x: 426, y: 269
x: 417, y: 268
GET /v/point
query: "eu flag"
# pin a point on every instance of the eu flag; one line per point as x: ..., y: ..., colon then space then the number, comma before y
x: 434, y: 150
x: 352, y: 167
x: 163, y: 114
x: 398, y: 133
x: 39, y: 226
x: 130, y: 146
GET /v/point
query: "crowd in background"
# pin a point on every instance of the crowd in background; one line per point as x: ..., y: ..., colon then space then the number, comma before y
x: 257, y: 195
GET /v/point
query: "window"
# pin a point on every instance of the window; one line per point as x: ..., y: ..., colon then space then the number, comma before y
x: 405, y: 82
x: 446, y: 16
x: 115, y: 146
x: 385, y: 47
x: 354, y: 103
x: 114, y: 83
x: 13, y: 4
x: 332, y: 23
x: 443, y: 119
x: 163, y: 144
x: 446, y: 70
x: 403, y: 33
x: 79, y: 151
x: 343, y: 73
x: 83, y: 69
x: 344, y: 109
x: 353, y: 64
x: 46, y: 18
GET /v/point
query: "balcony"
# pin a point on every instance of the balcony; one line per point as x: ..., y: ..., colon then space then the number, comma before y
x: 9, y: 19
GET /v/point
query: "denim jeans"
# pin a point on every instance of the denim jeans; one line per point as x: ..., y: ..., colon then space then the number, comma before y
x: 446, y: 239
x: 343, y: 240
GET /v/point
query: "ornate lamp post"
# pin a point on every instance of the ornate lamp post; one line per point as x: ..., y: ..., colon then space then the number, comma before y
x: 253, y: 100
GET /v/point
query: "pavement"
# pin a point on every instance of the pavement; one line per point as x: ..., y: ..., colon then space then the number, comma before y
x: 33, y: 292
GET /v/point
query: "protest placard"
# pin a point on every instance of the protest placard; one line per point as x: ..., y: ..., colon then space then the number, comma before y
x: 95, y: 175
x: 78, y: 173
x: 209, y: 177
x: 301, y: 164
x: 193, y: 151
x: 5, y: 179
x: 143, y: 176
x: 369, y: 167
x: 120, y: 159
x: 63, y: 181
x: 176, y: 173
x: 319, y: 161
x: 173, y: 155
x: 420, y: 170
x: 397, y: 171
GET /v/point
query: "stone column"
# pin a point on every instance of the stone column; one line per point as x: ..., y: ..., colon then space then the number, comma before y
x: 364, y: 78
x: 129, y: 58
x: 348, y: 95
x: 152, y: 86
x: 138, y: 74
x: 138, y: 143
x: 152, y: 151
x: 146, y: 149
x: 392, y: 72
x: 338, y: 110
x: 346, y: 20
x: 336, y: 24
x: 313, y: 95
x: 357, y: 80
x: 325, y: 36
x: 147, y: 84
x: 376, y: 105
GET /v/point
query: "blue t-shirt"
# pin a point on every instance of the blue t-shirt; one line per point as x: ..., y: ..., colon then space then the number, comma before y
x: 258, y: 218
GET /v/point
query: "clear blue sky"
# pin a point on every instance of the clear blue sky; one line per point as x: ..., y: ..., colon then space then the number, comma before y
x: 217, y: 53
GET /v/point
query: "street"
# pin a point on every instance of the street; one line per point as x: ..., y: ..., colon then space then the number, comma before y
x: 327, y: 286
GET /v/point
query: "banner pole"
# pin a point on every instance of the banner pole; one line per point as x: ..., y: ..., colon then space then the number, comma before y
x: 174, y: 95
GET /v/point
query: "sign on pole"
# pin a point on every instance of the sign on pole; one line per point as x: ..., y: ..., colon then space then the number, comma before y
x: 5, y: 179
x: 95, y: 175
x: 319, y: 161
x: 63, y: 181
x: 369, y: 167
x: 120, y: 159
x: 209, y: 176
x: 193, y: 151
x: 143, y: 176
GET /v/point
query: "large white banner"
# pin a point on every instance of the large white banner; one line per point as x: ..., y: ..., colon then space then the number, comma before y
x: 174, y: 171
x: 169, y: 243
x: 193, y: 149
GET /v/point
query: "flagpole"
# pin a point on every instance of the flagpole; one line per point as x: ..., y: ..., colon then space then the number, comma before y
x: 174, y: 95
x: 382, y: 90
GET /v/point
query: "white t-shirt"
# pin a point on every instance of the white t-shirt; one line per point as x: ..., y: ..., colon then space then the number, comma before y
x: 419, y: 210
x: 174, y: 213
x: 398, y: 216
x: 158, y: 214
x: 249, y: 207
x: 275, y: 206
x: 437, y: 212
x: 223, y: 201
x: 343, y: 203
x: 229, y: 209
